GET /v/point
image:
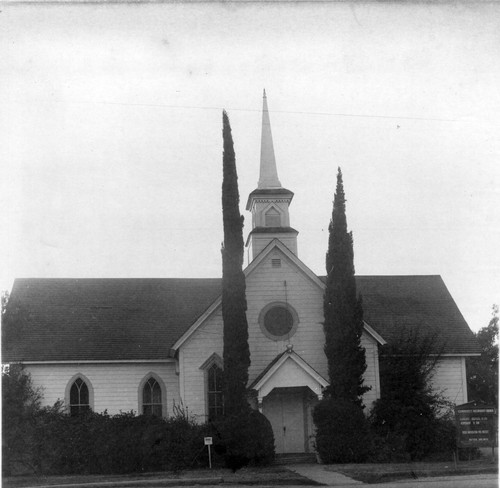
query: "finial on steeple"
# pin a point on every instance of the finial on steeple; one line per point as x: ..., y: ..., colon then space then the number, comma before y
x: 268, y: 172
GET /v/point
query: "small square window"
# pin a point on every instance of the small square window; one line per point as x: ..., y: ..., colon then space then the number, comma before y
x: 276, y: 263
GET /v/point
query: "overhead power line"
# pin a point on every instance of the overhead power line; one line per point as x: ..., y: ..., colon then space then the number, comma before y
x: 293, y: 112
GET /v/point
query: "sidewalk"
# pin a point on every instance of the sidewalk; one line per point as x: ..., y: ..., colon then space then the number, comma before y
x: 320, y: 474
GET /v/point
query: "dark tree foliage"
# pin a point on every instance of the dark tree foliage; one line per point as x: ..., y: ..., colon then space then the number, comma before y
x: 342, y: 432
x: 50, y: 442
x: 482, y: 372
x: 21, y: 407
x: 343, y: 310
x: 244, y: 439
x: 410, y: 414
x: 345, y: 440
x: 4, y: 298
x: 236, y: 351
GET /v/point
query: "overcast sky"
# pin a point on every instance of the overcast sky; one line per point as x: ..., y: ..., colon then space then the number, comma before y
x: 111, y: 146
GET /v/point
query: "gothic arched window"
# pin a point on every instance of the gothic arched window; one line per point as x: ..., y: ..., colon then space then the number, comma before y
x: 215, y: 396
x: 79, y: 398
x: 151, y: 398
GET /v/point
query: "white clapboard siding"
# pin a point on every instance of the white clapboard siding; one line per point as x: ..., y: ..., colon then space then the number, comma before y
x: 206, y: 341
x: 115, y: 386
x: 450, y: 379
x: 371, y: 375
x: 265, y: 285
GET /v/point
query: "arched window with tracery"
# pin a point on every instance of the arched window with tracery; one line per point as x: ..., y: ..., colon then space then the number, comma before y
x: 151, y: 398
x: 215, y: 395
x: 79, y: 397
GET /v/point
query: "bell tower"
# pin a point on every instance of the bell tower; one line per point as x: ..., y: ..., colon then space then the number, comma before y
x: 269, y: 203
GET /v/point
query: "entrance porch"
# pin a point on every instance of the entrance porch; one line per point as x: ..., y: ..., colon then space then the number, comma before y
x: 287, y: 391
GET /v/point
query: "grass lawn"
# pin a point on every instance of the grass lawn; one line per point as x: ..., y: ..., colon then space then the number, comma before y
x: 376, y: 473
x: 271, y: 475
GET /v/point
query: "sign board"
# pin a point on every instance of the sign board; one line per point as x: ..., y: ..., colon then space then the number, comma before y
x: 208, y: 441
x: 477, y: 425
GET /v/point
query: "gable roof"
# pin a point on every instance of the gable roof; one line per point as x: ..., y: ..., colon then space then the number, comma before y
x: 142, y: 319
x: 101, y: 319
x: 274, y: 244
x: 277, y: 244
x: 316, y: 381
x: 392, y: 303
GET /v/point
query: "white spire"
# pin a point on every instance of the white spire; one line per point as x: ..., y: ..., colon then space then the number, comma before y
x: 268, y: 172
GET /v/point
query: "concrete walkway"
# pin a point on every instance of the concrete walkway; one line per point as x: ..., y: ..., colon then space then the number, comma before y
x: 319, y: 473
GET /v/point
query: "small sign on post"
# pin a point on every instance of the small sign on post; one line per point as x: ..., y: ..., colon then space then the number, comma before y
x: 208, y: 443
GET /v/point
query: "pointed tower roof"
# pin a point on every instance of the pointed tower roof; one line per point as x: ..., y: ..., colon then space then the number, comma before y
x: 268, y: 173
x: 270, y: 201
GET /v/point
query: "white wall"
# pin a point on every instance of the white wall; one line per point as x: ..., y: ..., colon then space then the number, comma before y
x: 265, y: 285
x: 450, y: 379
x: 194, y: 353
x: 371, y: 375
x: 116, y: 386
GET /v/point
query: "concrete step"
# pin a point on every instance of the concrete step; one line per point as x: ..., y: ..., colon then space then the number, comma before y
x: 295, y: 458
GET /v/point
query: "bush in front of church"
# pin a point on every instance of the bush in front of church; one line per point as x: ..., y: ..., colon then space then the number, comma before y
x: 342, y: 432
x: 244, y: 439
x: 410, y: 415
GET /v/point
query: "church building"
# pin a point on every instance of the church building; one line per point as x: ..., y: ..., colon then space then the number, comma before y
x: 145, y: 345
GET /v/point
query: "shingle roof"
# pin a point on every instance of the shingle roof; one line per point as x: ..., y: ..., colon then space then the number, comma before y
x: 101, y: 319
x: 134, y: 319
x: 391, y: 303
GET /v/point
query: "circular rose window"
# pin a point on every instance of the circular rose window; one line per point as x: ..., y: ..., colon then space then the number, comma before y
x: 278, y: 321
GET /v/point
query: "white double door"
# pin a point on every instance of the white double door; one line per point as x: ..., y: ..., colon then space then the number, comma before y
x: 285, y: 409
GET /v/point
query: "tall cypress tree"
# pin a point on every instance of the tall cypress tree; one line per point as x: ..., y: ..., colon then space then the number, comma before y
x: 236, y: 351
x: 343, y: 310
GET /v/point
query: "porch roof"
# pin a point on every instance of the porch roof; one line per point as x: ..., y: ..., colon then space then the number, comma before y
x: 288, y: 369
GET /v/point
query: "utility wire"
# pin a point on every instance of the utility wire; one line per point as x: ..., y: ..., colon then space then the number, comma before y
x: 293, y: 112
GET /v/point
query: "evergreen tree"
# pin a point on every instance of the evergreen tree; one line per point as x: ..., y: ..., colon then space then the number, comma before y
x: 343, y: 310
x: 482, y: 372
x: 236, y: 351
x: 342, y: 430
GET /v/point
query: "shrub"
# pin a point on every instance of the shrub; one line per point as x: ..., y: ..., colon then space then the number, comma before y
x: 244, y: 439
x: 343, y: 434
x: 21, y: 415
x: 413, y: 431
x: 179, y: 444
x: 45, y: 440
x: 410, y: 414
x: 103, y: 444
x: 387, y: 449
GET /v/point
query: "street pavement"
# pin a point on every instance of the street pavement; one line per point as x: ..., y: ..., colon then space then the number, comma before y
x: 467, y: 481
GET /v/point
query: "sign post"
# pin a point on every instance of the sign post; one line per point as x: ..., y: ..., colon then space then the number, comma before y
x: 477, y: 425
x: 208, y: 443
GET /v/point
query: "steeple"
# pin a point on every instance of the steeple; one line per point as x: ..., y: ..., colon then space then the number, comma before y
x: 270, y: 201
x: 268, y: 172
